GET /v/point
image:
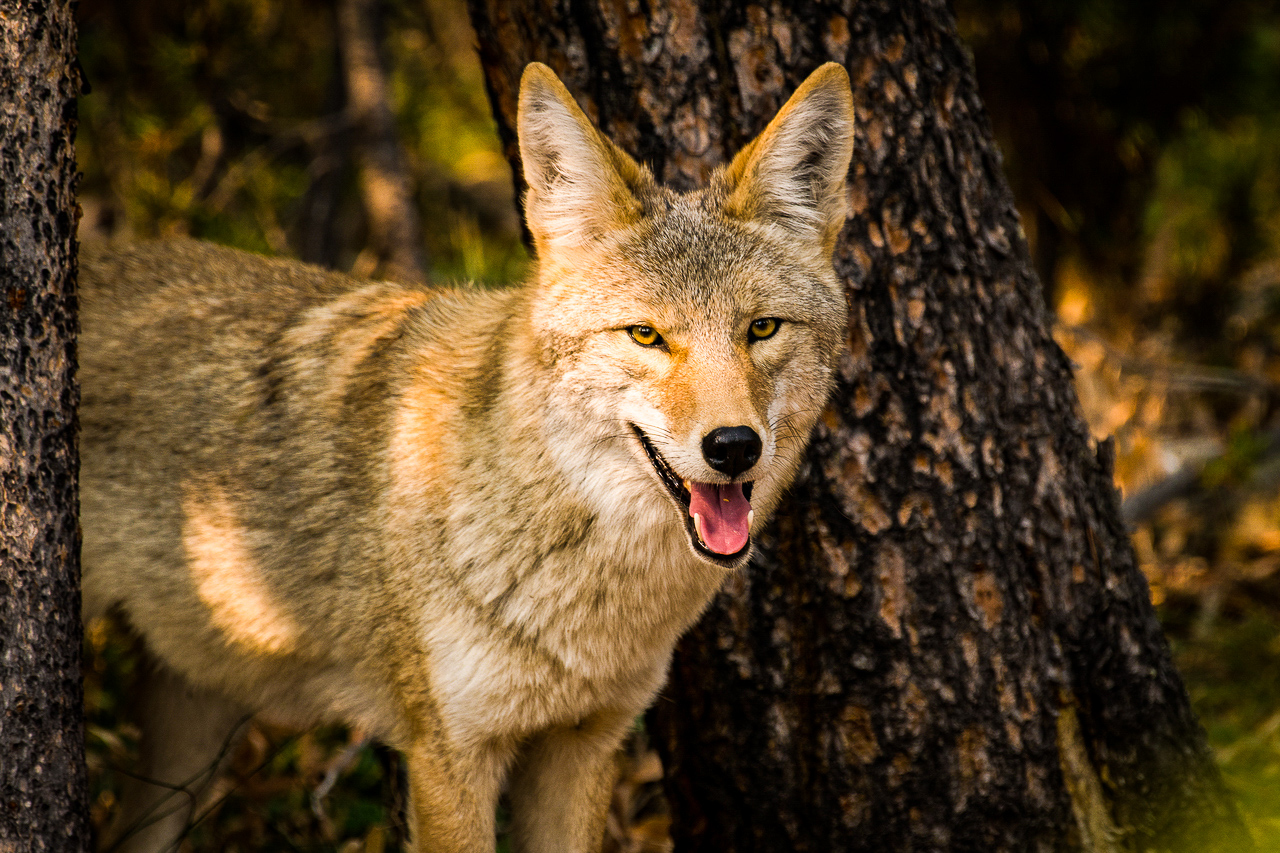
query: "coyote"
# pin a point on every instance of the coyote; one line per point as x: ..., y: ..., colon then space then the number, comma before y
x: 470, y: 522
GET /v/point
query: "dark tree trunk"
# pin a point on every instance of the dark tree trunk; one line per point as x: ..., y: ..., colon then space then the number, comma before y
x: 944, y: 643
x: 395, y: 228
x: 43, y: 790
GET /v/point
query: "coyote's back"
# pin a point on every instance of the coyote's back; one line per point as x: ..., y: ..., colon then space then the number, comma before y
x: 473, y: 523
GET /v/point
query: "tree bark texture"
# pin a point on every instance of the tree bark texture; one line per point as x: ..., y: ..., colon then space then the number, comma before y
x: 395, y: 228
x: 944, y: 642
x: 43, y: 788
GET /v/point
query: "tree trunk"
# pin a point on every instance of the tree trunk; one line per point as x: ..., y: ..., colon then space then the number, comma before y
x: 43, y: 789
x: 944, y: 643
x: 395, y: 228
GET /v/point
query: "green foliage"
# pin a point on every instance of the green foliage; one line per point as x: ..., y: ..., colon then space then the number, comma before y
x: 223, y: 120
x: 1233, y: 675
x: 1142, y: 139
x: 1244, y: 451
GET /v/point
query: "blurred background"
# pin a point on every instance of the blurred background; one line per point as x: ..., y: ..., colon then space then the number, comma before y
x: 1141, y: 138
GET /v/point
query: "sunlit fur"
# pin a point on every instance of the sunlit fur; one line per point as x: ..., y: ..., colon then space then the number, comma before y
x: 426, y: 512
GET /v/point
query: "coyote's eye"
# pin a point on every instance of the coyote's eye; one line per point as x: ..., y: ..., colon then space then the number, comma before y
x: 645, y: 336
x: 765, y: 327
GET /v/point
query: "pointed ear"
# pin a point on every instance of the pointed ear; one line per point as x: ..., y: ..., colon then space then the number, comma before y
x: 793, y: 174
x: 581, y: 185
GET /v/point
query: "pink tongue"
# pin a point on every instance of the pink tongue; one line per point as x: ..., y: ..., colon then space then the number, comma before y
x: 724, y: 515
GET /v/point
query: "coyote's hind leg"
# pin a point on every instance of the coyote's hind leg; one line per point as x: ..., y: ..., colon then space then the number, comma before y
x: 187, y: 734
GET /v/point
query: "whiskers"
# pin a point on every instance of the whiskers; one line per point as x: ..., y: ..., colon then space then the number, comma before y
x: 786, y: 426
x: 608, y: 438
x: 671, y: 449
x: 621, y: 436
x: 655, y: 431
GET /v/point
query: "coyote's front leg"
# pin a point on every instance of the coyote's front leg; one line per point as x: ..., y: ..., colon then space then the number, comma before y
x: 452, y: 797
x: 561, y: 785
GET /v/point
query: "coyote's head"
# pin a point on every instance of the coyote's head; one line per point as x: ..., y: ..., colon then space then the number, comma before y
x: 690, y: 336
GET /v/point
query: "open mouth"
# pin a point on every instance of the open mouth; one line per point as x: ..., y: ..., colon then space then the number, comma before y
x: 717, y: 515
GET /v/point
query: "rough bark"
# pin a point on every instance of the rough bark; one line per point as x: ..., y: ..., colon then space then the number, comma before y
x: 395, y: 228
x: 43, y: 789
x: 944, y: 643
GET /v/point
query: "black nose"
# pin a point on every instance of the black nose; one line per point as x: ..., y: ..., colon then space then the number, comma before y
x: 731, y: 450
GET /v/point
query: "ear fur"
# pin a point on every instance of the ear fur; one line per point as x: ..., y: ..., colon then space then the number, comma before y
x: 581, y: 185
x: 793, y: 174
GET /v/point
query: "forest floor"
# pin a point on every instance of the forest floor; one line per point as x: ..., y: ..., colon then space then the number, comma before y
x: 269, y: 800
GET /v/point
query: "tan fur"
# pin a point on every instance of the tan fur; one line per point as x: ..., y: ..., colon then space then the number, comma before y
x: 426, y: 512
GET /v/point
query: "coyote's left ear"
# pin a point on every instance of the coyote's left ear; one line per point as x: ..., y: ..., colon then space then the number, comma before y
x: 793, y: 174
x: 581, y: 185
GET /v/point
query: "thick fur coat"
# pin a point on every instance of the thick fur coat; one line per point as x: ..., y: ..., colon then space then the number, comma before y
x: 472, y: 523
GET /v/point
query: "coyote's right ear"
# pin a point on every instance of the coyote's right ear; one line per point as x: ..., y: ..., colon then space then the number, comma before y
x: 581, y: 185
x: 793, y: 174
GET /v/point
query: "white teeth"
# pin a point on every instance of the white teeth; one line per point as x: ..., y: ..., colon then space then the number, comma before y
x: 686, y: 486
x: 697, y: 525
x: 751, y: 515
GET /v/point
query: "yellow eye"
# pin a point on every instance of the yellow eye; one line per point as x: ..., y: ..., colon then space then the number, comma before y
x: 765, y: 327
x: 645, y: 336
